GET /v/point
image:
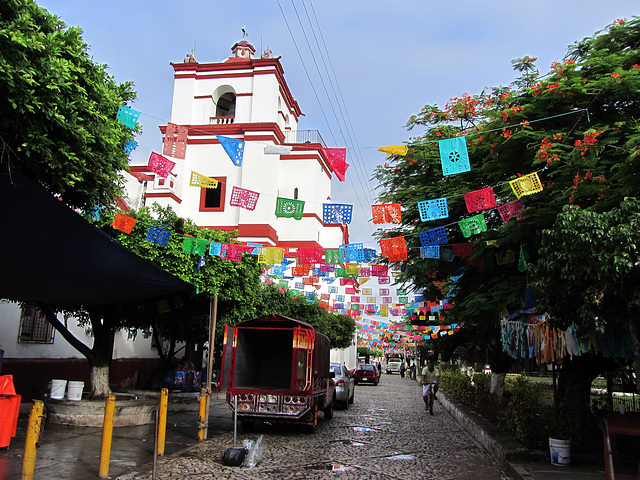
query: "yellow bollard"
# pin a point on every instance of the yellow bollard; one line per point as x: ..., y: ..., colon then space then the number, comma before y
x: 202, y: 421
x: 162, y: 422
x: 33, y: 435
x: 107, y: 432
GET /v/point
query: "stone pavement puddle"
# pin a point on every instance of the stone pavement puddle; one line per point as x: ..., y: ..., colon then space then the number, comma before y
x: 349, y: 442
x: 377, y: 421
x: 365, y: 429
x: 401, y: 457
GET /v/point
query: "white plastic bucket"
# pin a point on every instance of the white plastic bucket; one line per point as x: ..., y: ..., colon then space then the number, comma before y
x: 57, y: 389
x: 74, y: 390
x: 560, y: 452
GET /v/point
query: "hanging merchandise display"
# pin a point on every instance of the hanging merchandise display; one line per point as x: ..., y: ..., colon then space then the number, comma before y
x: 243, y: 198
x: 395, y: 150
x: 387, y: 213
x: 124, y: 223
x: 202, y: 181
x: 160, y: 165
x: 525, y: 335
x: 336, y: 213
x: 433, y: 209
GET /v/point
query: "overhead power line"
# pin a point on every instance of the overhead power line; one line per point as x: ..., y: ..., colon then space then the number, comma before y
x: 343, y: 122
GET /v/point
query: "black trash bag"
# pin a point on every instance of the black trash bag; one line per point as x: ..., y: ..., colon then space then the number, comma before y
x: 233, y: 457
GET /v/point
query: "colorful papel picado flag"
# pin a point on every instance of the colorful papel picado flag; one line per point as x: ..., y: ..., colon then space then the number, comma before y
x: 233, y: 147
x: 454, y: 156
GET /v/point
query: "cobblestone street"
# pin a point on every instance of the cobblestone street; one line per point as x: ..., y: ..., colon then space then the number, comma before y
x: 385, y: 434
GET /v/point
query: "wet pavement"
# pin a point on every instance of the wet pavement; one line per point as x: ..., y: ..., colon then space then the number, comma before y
x: 385, y: 434
x: 73, y: 453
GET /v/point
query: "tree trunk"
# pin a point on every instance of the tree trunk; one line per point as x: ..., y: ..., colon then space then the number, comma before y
x: 99, y: 381
x: 158, y: 343
x: 52, y: 318
x: 497, y: 384
x: 574, y: 396
x: 633, y: 333
x: 101, y: 354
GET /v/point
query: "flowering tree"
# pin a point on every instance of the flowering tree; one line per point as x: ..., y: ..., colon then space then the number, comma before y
x: 576, y: 128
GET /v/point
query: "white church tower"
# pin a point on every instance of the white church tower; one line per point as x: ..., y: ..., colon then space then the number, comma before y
x: 247, y: 99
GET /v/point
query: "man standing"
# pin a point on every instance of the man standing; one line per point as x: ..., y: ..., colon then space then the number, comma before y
x: 430, y: 380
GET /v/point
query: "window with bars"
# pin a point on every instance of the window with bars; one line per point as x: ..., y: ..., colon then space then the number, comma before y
x: 34, y: 327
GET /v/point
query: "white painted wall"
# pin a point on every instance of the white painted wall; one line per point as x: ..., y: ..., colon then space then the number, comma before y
x: 60, y: 348
x: 348, y: 356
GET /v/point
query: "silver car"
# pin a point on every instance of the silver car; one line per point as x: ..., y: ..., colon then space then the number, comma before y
x: 345, y: 386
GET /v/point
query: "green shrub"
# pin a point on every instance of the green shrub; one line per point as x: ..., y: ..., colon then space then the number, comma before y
x: 458, y: 385
x: 482, y: 382
x: 521, y: 413
x: 448, y: 367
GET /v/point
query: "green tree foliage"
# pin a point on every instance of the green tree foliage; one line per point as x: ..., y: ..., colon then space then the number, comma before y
x: 367, y: 353
x: 58, y: 108
x: 339, y: 328
x: 595, y: 283
x: 576, y: 127
x: 237, y: 284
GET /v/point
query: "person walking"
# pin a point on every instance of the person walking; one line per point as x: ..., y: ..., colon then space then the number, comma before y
x: 402, y: 370
x: 430, y: 380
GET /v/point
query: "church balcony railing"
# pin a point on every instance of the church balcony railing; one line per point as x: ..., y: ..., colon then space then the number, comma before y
x: 303, y: 136
x: 221, y: 120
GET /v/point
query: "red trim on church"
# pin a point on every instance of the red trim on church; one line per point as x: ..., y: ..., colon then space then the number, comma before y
x: 140, y: 172
x: 200, y: 70
x: 237, y: 129
x: 314, y: 153
x: 171, y: 195
x: 255, y: 230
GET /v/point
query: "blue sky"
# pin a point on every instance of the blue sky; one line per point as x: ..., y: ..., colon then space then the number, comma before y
x: 380, y: 61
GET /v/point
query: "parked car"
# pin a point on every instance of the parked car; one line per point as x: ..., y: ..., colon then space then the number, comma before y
x: 367, y: 373
x: 345, y: 385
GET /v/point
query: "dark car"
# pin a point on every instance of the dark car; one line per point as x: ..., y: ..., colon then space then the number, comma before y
x: 345, y: 386
x: 367, y: 373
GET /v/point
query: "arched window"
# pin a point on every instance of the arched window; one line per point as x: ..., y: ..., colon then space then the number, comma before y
x: 226, y: 105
